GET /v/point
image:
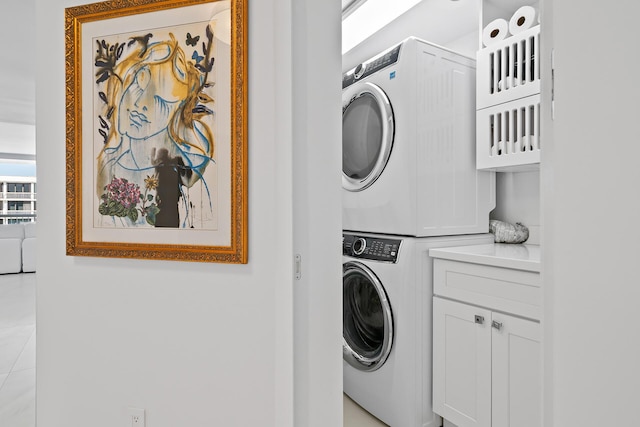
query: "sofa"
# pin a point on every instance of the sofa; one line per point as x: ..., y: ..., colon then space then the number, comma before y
x: 18, y: 248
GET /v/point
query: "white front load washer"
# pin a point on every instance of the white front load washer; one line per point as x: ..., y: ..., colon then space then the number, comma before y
x: 387, y: 317
x: 408, y: 145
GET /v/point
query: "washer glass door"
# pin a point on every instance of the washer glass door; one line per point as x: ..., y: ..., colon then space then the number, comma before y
x: 367, y: 331
x: 367, y: 134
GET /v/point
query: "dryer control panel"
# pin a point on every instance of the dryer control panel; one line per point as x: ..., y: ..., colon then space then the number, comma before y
x: 373, y: 248
x: 371, y: 66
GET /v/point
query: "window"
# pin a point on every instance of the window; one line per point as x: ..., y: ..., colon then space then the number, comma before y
x: 18, y: 187
x: 17, y: 220
x: 17, y: 206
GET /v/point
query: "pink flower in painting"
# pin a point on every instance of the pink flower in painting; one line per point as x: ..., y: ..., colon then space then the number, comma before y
x: 124, y: 192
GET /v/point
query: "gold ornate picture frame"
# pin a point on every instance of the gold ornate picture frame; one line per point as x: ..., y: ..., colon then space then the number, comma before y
x: 156, y: 130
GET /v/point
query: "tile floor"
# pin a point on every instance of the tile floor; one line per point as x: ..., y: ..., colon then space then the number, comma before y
x: 17, y: 350
x: 355, y: 416
x: 18, y: 357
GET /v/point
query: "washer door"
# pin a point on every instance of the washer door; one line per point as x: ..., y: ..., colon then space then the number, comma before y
x: 367, y: 321
x: 367, y: 134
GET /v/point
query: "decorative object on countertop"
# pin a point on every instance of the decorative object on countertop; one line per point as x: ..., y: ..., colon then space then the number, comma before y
x: 505, y: 232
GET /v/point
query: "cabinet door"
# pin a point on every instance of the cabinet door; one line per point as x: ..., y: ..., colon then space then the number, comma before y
x: 462, y: 363
x: 517, y: 372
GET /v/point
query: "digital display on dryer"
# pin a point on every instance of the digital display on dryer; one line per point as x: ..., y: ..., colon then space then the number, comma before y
x: 372, y: 248
x: 371, y: 66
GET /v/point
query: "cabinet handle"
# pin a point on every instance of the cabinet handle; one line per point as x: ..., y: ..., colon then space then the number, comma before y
x: 479, y: 320
x: 496, y: 325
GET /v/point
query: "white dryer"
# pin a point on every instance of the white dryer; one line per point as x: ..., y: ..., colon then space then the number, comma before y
x: 387, y: 318
x: 408, y: 145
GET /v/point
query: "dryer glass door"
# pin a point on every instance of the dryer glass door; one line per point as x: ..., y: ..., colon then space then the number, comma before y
x: 367, y: 134
x: 367, y: 331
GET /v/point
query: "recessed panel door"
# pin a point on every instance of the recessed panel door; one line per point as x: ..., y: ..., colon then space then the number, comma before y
x: 517, y: 372
x: 462, y: 363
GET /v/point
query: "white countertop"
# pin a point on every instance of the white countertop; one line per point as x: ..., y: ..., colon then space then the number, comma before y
x: 520, y: 257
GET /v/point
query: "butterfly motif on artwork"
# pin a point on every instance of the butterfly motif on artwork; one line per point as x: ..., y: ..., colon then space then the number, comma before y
x: 196, y: 57
x: 192, y: 41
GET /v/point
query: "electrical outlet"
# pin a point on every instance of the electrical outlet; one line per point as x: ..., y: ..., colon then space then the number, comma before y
x: 136, y: 417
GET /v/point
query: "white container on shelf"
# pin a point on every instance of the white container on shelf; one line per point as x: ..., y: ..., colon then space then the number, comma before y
x: 508, y: 135
x: 509, y: 69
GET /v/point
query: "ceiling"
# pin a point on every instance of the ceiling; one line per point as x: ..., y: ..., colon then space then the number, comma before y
x: 17, y: 68
x: 442, y: 20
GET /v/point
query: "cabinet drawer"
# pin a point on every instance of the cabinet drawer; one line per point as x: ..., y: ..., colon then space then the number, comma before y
x: 497, y: 288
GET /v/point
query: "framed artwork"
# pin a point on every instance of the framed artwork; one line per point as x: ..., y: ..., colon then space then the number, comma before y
x: 156, y: 130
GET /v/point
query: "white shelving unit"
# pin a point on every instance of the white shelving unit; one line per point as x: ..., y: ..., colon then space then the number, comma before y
x: 508, y: 98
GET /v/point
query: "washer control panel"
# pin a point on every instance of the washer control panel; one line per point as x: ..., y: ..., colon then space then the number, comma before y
x: 373, y: 248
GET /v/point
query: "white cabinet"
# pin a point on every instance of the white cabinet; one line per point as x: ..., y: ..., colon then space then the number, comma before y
x: 486, y: 354
x: 486, y: 367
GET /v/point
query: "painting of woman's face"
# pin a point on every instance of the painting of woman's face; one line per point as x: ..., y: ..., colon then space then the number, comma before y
x: 156, y: 124
x: 153, y: 96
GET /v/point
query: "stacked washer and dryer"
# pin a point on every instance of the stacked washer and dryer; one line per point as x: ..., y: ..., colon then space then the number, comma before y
x: 409, y: 184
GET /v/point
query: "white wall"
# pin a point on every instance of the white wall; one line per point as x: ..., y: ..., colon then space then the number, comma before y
x: 590, y: 210
x: 17, y: 139
x: 518, y: 200
x: 199, y: 344
x: 19, y: 62
x: 317, y: 192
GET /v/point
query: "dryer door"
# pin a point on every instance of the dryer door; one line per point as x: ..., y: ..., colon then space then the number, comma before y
x: 367, y: 328
x: 367, y: 134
